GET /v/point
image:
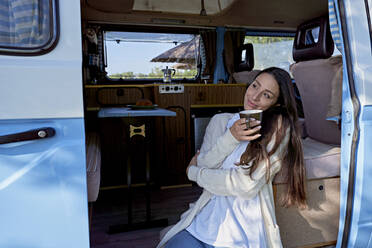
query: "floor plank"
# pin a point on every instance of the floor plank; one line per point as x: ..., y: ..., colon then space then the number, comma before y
x: 111, y: 209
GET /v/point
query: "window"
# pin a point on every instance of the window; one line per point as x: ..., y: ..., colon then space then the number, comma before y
x: 312, y: 35
x: 27, y: 26
x: 140, y: 55
x: 271, y: 51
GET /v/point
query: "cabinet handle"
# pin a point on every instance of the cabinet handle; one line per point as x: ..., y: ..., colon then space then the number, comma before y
x: 40, y: 133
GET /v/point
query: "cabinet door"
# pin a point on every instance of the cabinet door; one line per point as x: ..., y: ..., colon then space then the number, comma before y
x: 43, y: 189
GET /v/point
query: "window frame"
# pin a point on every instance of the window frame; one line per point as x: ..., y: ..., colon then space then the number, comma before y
x: 269, y: 33
x: 42, y: 49
x: 147, y: 29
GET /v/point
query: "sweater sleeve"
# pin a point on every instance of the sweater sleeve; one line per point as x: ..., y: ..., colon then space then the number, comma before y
x: 218, y: 142
x: 237, y: 181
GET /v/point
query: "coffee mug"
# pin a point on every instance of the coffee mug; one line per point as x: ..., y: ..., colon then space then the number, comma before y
x: 249, y: 114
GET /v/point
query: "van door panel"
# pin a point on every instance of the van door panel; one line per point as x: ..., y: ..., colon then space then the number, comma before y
x: 43, y: 190
x: 356, y: 168
x: 49, y: 85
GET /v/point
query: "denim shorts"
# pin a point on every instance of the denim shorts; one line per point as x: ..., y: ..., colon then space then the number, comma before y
x: 184, y: 239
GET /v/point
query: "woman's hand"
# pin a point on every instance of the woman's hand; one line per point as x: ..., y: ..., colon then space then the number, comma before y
x: 239, y: 131
x: 194, y: 161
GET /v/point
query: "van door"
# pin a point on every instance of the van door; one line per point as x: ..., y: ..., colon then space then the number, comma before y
x: 356, y: 165
x: 43, y: 195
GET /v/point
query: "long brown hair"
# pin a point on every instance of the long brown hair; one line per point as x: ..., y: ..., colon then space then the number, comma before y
x: 275, y: 122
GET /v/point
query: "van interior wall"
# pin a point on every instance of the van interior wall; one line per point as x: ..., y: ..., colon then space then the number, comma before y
x: 173, y: 136
x: 240, y: 13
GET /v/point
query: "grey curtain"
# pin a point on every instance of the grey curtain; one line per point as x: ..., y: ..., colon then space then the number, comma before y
x: 209, y: 39
x: 232, y: 41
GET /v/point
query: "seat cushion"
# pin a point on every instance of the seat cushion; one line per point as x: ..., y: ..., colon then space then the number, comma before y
x: 321, y: 160
x: 93, y: 158
x: 313, y: 80
x: 245, y: 77
x: 335, y: 102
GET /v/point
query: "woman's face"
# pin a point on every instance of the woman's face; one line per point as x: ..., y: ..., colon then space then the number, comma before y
x: 262, y: 93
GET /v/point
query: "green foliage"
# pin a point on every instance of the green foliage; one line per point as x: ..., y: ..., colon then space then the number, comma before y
x: 155, y: 73
x: 271, y: 51
x: 265, y: 39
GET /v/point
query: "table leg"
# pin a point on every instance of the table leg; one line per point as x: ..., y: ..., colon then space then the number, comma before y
x: 148, y: 223
x: 129, y: 183
x: 126, y: 227
x: 148, y: 188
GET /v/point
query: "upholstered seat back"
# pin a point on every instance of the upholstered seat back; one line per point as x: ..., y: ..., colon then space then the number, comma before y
x: 313, y: 73
x: 313, y: 79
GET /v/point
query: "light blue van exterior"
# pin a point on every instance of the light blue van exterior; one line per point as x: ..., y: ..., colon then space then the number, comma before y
x: 43, y: 194
x: 355, y: 226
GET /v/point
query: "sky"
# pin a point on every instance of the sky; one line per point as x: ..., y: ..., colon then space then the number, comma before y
x: 136, y: 49
x: 130, y: 56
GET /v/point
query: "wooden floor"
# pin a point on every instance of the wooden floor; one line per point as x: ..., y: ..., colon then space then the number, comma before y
x: 111, y: 209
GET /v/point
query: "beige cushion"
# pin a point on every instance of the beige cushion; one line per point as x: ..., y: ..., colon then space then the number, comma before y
x: 321, y: 160
x: 335, y: 102
x: 314, y: 79
x: 93, y: 158
x: 245, y: 77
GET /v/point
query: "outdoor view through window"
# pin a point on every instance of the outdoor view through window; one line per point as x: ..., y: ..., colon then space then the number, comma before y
x: 137, y: 55
x: 140, y: 55
x: 271, y: 51
x: 276, y: 51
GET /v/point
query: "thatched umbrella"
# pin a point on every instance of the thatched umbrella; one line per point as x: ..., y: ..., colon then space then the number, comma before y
x: 183, y: 53
x: 184, y: 66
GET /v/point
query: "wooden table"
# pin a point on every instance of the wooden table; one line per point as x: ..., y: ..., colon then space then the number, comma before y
x: 122, y: 112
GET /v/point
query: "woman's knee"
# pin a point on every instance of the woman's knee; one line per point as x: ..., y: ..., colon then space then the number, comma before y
x: 184, y: 239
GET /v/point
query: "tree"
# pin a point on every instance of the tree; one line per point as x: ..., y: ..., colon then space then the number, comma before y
x: 156, y: 72
x: 271, y: 51
x: 265, y: 39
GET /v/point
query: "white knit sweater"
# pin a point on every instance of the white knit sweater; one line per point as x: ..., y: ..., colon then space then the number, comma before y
x: 217, y: 145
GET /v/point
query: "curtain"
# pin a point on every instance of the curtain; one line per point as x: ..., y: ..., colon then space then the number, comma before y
x: 24, y: 23
x: 233, y: 41
x: 208, y: 56
x: 333, y: 24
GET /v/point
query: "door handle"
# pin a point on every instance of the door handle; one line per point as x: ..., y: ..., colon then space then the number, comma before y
x: 34, y: 134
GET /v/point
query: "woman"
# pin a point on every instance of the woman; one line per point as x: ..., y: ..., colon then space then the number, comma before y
x: 236, y: 168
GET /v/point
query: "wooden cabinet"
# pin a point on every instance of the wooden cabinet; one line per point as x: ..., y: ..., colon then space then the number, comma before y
x: 174, y: 136
x: 220, y: 94
x: 179, y: 136
x: 96, y: 96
